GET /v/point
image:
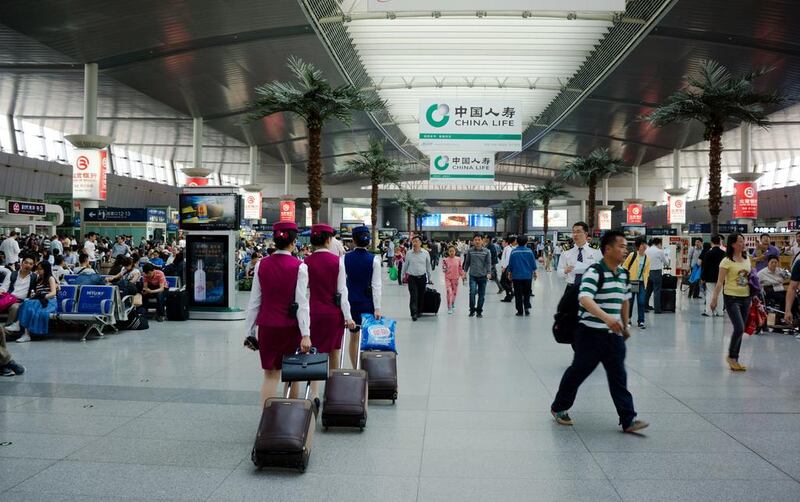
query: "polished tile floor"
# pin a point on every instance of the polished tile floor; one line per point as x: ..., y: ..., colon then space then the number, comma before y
x: 170, y: 413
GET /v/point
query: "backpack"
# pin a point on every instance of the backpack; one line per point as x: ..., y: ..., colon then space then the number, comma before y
x: 567, y: 313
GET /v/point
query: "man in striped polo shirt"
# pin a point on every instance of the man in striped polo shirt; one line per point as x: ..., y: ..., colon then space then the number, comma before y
x: 601, y: 334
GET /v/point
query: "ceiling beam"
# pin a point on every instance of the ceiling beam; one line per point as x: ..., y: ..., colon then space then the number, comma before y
x: 729, y: 39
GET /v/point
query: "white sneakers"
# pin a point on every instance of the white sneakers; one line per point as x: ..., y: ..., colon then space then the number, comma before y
x: 24, y: 338
x: 14, y: 328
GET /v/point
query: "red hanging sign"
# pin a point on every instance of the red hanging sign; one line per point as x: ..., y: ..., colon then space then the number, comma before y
x: 634, y: 214
x: 287, y: 210
x: 745, y: 200
x: 196, y: 182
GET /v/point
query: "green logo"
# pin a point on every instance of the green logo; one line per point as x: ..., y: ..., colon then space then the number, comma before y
x: 442, y: 110
x: 441, y: 162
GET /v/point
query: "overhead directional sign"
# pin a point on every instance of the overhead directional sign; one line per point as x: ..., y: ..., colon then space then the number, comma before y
x: 470, y: 125
x: 496, y: 5
x: 460, y: 168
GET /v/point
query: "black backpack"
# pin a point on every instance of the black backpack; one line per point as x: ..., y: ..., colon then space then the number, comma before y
x: 567, y: 312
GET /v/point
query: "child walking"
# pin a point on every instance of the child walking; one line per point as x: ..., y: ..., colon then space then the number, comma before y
x: 452, y: 273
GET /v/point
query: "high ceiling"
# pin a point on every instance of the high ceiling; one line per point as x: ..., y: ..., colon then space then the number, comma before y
x: 165, y: 61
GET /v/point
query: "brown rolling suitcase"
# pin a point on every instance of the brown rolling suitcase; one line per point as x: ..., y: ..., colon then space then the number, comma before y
x: 345, y: 400
x: 381, y: 368
x: 286, y: 431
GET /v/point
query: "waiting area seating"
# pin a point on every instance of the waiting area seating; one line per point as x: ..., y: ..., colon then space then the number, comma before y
x: 97, y: 307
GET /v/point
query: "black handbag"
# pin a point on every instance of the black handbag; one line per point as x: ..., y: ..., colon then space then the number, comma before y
x: 304, y: 367
x: 293, y: 308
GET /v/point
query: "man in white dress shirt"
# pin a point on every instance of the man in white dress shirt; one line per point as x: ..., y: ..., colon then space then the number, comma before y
x: 658, y: 262
x: 574, y: 262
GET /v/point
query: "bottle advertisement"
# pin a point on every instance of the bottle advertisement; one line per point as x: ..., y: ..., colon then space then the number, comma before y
x: 207, y: 275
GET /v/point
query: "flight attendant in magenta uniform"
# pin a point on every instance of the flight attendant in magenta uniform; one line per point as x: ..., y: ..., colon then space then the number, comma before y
x: 328, y: 299
x: 272, y: 308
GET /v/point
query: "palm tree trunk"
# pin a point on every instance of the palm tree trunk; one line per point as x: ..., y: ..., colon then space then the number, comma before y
x: 715, y: 178
x: 374, y: 216
x: 505, y: 225
x: 592, y: 201
x: 546, y: 207
x: 314, y: 171
x: 408, y: 224
x: 521, y: 222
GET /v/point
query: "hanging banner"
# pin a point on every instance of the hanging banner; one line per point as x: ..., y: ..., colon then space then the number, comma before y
x: 604, y: 219
x: 286, y: 210
x: 458, y: 124
x: 252, y: 205
x: 28, y: 208
x: 634, y: 214
x: 89, y: 174
x: 455, y: 168
x: 196, y: 182
x: 498, y: 5
x: 745, y: 200
x: 676, y: 209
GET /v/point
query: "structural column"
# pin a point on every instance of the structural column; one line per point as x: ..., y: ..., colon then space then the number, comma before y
x: 287, y: 182
x: 747, y: 172
x: 89, y: 139
x: 677, y: 190
x: 255, y: 165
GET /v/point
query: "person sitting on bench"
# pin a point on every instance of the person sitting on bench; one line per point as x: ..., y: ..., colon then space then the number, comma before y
x: 155, y: 286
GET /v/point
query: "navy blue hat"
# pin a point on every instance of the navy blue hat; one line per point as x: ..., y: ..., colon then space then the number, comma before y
x: 363, y: 229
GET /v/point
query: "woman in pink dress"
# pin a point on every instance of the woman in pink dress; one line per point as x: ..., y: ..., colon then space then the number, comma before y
x: 453, y: 271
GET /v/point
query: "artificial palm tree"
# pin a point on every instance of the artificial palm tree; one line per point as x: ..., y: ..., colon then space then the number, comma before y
x: 375, y: 165
x: 411, y: 205
x: 316, y: 101
x: 499, y: 213
x: 545, y: 194
x: 715, y: 97
x: 508, y: 209
x: 520, y: 206
x: 589, y: 170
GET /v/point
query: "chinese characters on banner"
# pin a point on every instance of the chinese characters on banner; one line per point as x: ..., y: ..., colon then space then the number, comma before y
x: 635, y: 213
x: 252, y: 205
x: 745, y: 200
x: 499, y: 5
x: 196, y: 182
x: 89, y: 174
x: 286, y: 210
x: 21, y: 207
x: 604, y: 219
x: 676, y: 209
x: 454, y: 168
x: 484, y: 126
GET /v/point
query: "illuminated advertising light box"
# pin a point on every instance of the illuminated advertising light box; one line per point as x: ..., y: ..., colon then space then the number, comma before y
x: 209, y: 211
x: 632, y: 232
x: 455, y: 220
x: 457, y: 124
x: 207, y: 270
x: 363, y: 214
x: 557, y: 218
x: 252, y: 206
x: 89, y: 174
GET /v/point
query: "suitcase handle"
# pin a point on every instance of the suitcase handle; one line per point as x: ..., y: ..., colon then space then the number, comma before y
x: 289, y: 389
x: 357, y: 329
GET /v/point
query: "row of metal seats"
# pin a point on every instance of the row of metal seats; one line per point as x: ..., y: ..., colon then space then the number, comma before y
x: 173, y: 281
x: 98, y: 307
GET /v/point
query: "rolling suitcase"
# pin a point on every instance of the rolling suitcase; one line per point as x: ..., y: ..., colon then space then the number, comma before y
x: 668, y: 300
x: 431, y: 302
x: 669, y: 281
x: 381, y: 368
x: 286, y: 430
x: 345, y: 400
x: 177, y: 306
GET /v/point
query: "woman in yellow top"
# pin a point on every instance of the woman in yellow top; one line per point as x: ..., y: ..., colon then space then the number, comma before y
x: 734, y: 281
x: 639, y: 272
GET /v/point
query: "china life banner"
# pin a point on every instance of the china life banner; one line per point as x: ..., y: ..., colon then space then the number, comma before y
x: 89, y: 174
x: 196, y: 182
x: 455, y: 168
x: 635, y: 213
x: 470, y: 125
x: 286, y: 208
x: 504, y: 5
x: 676, y: 209
x: 604, y: 219
x: 252, y: 206
x: 745, y: 200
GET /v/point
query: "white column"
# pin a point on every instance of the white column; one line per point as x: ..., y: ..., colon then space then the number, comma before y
x: 287, y: 178
x: 605, y: 191
x: 676, y: 169
x: 330, y: 211
x: 747, y: 138
x: 583, y: 210
x: 197, y: 142
x: 90, y: 99
x: 635, y: 191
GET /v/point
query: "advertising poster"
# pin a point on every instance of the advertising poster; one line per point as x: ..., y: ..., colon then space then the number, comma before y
x: 676, y: 209
x: 455, y: 168
x: 470, y: 125
x: 509, y: 5
x: 455, y: 220
x: 635, y: 214
x: 207, y: 270
x: 252, y: 206
x: 363, y: 214
x: 745, y: 200
x: 196, y: 182
x: 89, y: 174
x: 28, y: 208
x: 209, y: 211
x: 604, y: 219
x: 556, y: 218
x: 286, y: 210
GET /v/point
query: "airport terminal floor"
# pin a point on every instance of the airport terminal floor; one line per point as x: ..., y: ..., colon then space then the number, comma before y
x: 171, y: 413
